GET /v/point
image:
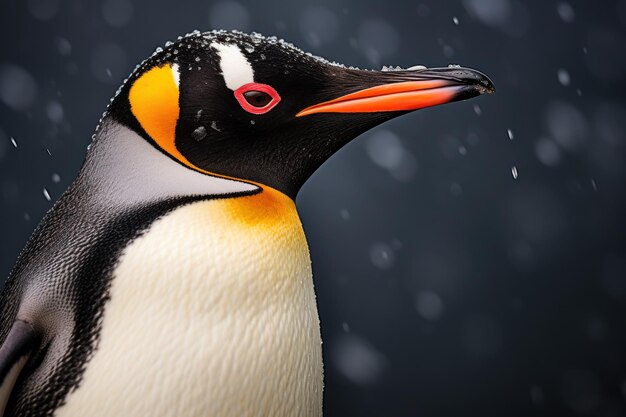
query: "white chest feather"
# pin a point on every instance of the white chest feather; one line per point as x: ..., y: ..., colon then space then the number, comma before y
x: 212, y: 313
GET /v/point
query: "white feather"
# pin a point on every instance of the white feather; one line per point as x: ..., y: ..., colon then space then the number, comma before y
x: 236, y: 69
x: 209, y: 315
x: 176, y: 74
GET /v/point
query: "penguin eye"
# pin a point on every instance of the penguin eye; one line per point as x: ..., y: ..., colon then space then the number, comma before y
x: 257, y: 98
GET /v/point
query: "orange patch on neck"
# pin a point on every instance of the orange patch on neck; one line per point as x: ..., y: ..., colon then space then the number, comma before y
x: 267, y: 207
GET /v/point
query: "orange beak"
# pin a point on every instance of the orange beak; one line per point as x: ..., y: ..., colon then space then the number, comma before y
x: 409, y: 90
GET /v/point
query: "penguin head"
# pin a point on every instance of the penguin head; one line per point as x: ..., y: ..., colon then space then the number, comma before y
x: 260, y: 110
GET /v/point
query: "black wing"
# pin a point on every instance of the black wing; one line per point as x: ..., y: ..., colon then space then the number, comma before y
x: 19, y: 344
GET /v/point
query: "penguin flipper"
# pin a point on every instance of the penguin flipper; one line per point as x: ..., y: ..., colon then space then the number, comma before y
x: 18, y: 346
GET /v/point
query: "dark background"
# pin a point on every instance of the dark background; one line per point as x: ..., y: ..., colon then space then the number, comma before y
x: 446, y: 286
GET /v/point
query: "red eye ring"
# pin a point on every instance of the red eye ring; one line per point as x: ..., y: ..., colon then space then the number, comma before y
x: 263, y: 88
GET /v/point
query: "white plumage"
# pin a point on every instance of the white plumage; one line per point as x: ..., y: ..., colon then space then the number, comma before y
x: 221, y: 322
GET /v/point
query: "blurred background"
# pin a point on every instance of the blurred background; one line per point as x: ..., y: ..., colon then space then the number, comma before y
x: 469, y: 259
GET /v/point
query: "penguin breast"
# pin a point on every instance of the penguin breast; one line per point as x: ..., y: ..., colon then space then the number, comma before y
x: 211, y: 312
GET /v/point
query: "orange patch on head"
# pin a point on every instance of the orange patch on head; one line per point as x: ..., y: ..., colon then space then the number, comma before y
x: 153, y: 101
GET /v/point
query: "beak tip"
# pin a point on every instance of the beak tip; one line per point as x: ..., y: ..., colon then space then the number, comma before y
x: 481, y: 81
x: 488, y: 86
x: 488, y: 89
x: 476, y: 80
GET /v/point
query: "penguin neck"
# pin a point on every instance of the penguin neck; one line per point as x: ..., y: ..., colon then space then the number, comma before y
x: 122, y: 169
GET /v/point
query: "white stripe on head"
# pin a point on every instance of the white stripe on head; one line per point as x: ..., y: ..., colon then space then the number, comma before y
x: 236, y: 69
x: 176, y: 74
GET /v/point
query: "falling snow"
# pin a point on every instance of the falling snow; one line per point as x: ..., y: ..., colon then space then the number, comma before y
x: 548, y: 152
x: 387, y: 151
x: 449, y: 210
x: 54, y: 111
x: 379, y: 40
x: 43, y: 10
x: 382, y: 255
x: 429, y: 305
x: 563, y: 77
x: 63, y: 45
x: 18, y: 88
x: 358, y: 361
x: 567, y: 125
x: 117, y: 13
x: 566, y: 12
x: 319, y: 26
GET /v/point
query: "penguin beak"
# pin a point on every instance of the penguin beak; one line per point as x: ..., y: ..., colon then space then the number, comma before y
x: 408, y: 90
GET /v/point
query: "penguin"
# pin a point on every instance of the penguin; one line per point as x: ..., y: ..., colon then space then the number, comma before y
x: 173, y: 277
